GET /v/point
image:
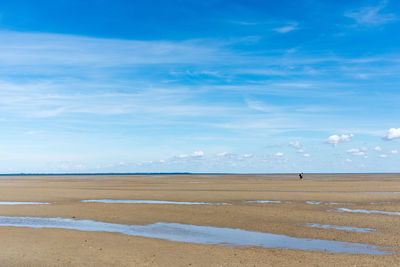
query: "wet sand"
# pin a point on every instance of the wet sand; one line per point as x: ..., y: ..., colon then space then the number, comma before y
x: 316, y: 200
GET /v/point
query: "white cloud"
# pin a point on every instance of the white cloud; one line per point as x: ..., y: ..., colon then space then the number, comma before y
x: 348, y: 160
x: 394, y: 152
x: 300, y: 151
x: 378, y: 148
x: 145, y: 162
x: 198, y: 154
x: 246, y: 156
x: 357, y: 151
x: 336, y: 139
x: 371, y: 15
x: 306, y: 155
x: 392, y: 133
x: 278, y: 154
x: 383, y: 156
x: 288, y: 28
x: 295, y: 144
x: 187, y: 157
x: 224, y: 154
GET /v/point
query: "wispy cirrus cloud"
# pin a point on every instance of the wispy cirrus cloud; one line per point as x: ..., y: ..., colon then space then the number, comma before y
x: 292, y: 26
x: 371, y: 15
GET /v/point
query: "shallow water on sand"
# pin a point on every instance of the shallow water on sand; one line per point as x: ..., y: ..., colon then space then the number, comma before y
x: 22, y: 203
x: 395, y: 213
x: 266, y: 201
x: 127, y: 201
x: 196, y: 234
x: 344, y: 228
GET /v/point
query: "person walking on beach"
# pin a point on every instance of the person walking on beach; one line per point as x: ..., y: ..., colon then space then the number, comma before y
x: 301, y: 176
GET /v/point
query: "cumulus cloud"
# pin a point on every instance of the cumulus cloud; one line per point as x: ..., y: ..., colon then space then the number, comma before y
x: 392, y: 133
x: 348, y: 160
x: 394, y: 152
x: 224, y: 154
x: 278, y: 154
x: 357, y: 151
x: 246, y: 156
x: 295, y: 144
x: 186, y: 157
x: 336, y: 139
x: 378, y: 148
x: 306, y: 155
x: 383, y: 156
x: 198, y: 154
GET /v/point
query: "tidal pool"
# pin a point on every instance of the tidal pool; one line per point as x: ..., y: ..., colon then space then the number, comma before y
x: 22, y: 203
x: 125, y: 201
x: 380, y: 192
x: 265, y: 201
x: 327, y: 203
x: 313, y: 202
x: 197, y: 234
x: 343, y: 228
x: 396, y: 213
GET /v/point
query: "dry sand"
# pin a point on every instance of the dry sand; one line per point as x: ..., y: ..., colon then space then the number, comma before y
x: 59, y: 247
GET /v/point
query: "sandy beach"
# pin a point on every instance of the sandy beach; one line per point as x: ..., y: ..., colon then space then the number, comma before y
x: 277, y: 204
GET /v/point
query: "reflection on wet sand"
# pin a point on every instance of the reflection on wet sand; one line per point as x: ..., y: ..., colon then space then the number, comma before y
x: 197, y: 234
x: 127, y: 201
x: 396, y: 213
x: 344, y: 228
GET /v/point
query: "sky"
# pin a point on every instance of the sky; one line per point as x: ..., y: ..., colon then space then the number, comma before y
x: 199, y: 86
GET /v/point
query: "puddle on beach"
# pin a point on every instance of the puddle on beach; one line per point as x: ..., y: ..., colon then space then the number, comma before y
x: 186, y: 183
x: 328, y: 192
x: 22, y: 203
x: 307, y: 202
x: 379, y: 192
x: 327, y: 203
x: 380, y: 203
x: 266, y: 201
x: 395, y: 213
x: 197, y: 234
x: 151, y: 202
x: 343, y: 228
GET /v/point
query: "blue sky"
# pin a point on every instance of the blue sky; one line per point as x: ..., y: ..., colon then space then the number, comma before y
x: 199, y: 86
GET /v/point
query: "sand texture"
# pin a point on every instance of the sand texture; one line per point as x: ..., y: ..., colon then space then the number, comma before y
x: 314, y: 200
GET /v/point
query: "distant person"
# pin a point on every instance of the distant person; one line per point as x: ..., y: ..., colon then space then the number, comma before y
x: 301, y: 176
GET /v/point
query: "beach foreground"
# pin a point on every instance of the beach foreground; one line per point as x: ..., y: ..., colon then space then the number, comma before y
x: 321, y: 207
